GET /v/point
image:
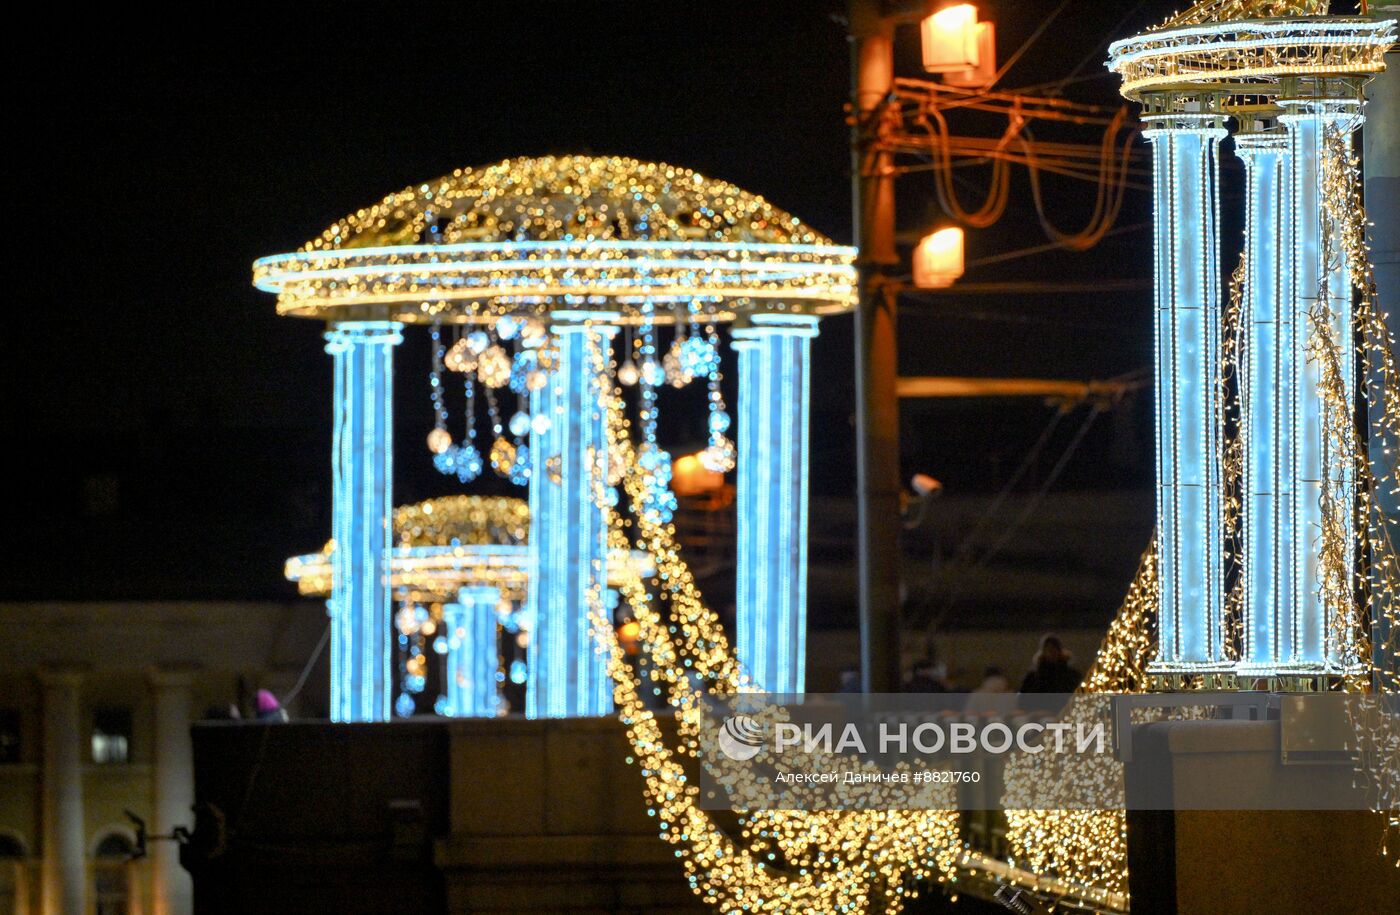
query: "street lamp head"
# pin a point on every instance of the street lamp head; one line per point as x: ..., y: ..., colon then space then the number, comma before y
x: 938, y: 259
x: 949, y: 39
x: 926, y: 485
x: 984, y: 73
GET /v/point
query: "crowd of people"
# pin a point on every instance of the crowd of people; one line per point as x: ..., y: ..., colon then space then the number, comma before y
x: 1049, y: 676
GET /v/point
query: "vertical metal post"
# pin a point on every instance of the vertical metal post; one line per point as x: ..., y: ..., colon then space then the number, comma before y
x: 877, y: 406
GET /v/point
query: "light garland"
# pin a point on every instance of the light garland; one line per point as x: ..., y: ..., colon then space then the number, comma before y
x: 1248, y: 53
x: 360, y: 605
x: 1377, y: 559
x: 1087, y: 847
x: 1210, y: 11
x: 462, y: 520
x: 1263, y: 294
x: 526, y: 236
x: 1231, y: 425
x: 781, y: 861
x: 1190, y: 487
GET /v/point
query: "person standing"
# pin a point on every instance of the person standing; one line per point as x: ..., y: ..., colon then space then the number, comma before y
x: 1050, y: 673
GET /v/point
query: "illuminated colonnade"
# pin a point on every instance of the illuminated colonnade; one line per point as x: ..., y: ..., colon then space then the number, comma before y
x: 568, y: 674
x: 1298, y: 607
x: 360, y: 604
x: 771, y: 582
x: 1289, y: 608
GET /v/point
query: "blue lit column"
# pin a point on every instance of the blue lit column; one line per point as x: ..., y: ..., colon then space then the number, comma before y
x: 1268, y: 389
x: 362, y: 518
x: 1187, y: 283
x: 1307, y: 121
x: 568, y: 675
x: 774, y: 384
x: 473, y: 656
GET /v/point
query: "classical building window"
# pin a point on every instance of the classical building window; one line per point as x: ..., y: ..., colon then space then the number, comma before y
x: 11, y: 873
x: 9, y: 736
x: 111, y: 736
x: 111, y: 890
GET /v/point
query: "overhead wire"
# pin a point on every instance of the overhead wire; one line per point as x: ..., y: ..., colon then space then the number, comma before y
x: 1028, y: 43
x: 1014, y: 527
x: 1108, y: 202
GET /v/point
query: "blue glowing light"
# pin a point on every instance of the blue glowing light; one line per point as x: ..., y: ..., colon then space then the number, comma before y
x: 1268, y: 395
x: 1308, y: 644
x: 1187, y: 284
x: 473, y: 661
x: 361, y: 518
x: 567, y: 674
x: 774, y: 394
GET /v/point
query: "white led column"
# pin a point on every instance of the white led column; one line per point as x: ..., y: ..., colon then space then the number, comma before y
x: 774, y: 361
x: 1308, y: 121
x: 473, y: 656
x: 362, y: 518
x: 1187, y: 283
x: 567, y: 673
x: 1268, y: 390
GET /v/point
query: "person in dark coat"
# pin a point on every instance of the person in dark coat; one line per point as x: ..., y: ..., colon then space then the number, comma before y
x: 924, y: 678
x: 1050, y: 673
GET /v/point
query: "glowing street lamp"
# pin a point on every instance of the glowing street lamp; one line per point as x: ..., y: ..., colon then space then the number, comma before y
x: 984, y: 73
x: 950, y: 39
x: 938, y: 259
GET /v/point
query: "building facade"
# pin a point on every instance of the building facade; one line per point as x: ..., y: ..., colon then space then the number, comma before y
x: 96, y: 704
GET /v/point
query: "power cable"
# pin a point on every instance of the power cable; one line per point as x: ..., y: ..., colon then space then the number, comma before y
x: 1036, y: 499
x: 306, y: 671
x: 1059, y: 84
x: 965, y: 546
x: 1026, y: 46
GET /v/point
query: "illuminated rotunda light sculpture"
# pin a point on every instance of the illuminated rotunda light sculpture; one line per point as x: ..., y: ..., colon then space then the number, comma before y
x: 1290, y: 84
x: 558, y: 254
x: 459, y: 570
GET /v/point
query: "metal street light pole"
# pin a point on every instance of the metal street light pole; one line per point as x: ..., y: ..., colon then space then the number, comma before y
x: 877, y: 405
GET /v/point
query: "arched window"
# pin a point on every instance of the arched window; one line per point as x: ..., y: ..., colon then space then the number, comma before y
x: 111, y: 886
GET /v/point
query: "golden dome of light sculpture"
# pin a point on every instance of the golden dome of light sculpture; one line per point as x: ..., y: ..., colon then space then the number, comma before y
x: 463, y: 520
x: 531, y: 236
x: 452, y: 542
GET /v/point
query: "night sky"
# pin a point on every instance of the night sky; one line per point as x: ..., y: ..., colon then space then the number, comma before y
x: 169, y: 435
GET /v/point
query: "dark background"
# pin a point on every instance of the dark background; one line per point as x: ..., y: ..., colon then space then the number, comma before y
x: 169, y: 435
